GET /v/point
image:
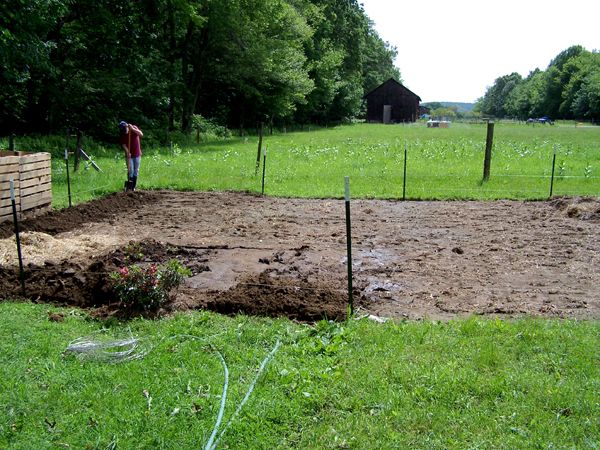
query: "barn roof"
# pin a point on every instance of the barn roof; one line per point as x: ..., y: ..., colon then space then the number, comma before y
x: 391, y: 80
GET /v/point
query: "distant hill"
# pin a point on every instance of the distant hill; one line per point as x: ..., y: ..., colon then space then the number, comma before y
x: 461, y: 107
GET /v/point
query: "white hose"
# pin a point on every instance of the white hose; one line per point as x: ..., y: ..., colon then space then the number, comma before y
x: 209, y: 444
x: 106, y: 350
x: 247, y: 396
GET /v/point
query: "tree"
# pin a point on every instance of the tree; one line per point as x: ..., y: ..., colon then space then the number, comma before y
x: 378, y: 63
x: 567, y: 89
x: 88, y: 64
x: 579, y: 71
x: 26, y: 63
x: 525, y: 100
x: 586, y: 102
x: 556, y: 79
x: 494, y: 101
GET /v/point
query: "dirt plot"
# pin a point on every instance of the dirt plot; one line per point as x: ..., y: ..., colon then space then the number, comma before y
x: 287, y: 257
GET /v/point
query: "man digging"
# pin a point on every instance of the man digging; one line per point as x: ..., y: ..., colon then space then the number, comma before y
x: 130, y: 141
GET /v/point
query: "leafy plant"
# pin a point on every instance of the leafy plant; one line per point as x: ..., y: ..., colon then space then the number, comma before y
x: 133, y: 252
x: 207, y: 126
x: 562, y: 168
x: 147, y: 287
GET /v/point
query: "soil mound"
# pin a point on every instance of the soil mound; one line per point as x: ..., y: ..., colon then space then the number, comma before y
x: 89, y: 286
x: 583, y: 208
x: 282, y: 297
x: 83, y: 285
x: 67, y: 219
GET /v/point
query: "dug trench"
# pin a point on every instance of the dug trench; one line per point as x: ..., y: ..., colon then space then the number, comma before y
x: 287, y: 257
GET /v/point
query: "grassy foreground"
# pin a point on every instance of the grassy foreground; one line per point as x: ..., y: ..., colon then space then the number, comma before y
x: 441, y: 164
x: 464, y: 384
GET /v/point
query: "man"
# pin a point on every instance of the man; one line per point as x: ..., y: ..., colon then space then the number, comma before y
x: 130, y: 141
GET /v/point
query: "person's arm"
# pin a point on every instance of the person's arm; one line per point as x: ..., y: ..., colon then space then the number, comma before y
x: 136, y: 130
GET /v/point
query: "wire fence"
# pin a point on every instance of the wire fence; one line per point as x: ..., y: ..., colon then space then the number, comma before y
x: 414, y: 171
x: 415, y: 186
x: 397, y: 178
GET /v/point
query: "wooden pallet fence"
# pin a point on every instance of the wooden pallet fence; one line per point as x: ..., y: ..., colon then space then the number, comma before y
x: 31, y: 173
x: 9, y: 169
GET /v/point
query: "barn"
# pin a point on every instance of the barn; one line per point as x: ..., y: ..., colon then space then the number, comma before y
x: 391, y: 102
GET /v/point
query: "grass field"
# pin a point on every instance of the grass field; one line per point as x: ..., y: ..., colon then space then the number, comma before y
x: 441, y: 164
x: 477, y: 383
x: 464, y: 384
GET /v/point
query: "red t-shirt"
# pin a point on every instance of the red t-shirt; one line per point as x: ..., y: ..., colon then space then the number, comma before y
x: 132, y: 142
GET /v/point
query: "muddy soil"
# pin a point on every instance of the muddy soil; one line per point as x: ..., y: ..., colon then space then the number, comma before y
x: 287, y: 257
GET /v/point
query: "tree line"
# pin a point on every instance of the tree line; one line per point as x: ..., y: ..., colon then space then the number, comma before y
x: 160, y: 63
x: 568, y: 89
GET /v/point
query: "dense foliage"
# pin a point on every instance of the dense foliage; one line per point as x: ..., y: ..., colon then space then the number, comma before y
x: 87, y: 64
x: 147, y: 287
x: 568, y: 89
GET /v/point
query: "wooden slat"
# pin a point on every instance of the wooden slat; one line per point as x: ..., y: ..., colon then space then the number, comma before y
x: 7, y: 202
x: 7, y: 176
x: 8, y: 155
x: 5, y: 181
x: 42, y: 193
x: 7, y: 218
x: 5, y: 195
x: 5, y: 189
x: 34, y: 166
x: 5, y: 185
x: 35, y: 200
x: 34, y: 173
x: 35, y: 157
x: 9, y: 167
x: 36, y: 189
x: 42, y: 179
x: 6, y: 210
x: 9, y: 161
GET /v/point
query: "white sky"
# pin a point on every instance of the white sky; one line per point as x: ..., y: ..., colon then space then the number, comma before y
x: 453, y: 50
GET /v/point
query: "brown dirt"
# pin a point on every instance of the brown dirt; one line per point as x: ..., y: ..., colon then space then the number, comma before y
x: 287, y: 257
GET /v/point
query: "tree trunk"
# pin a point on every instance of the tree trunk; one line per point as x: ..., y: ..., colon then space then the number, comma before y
x: 191, y: 68
x: 171, y: 59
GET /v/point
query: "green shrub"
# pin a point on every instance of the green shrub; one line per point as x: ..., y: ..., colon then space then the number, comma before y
x: 147, y: 287
x: 209, y: 127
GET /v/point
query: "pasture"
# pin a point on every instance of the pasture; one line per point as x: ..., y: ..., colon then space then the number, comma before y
x: 504, y: 352
x: 441, y: 164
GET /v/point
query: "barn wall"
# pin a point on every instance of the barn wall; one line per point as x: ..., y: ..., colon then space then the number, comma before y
x: 405, y: 104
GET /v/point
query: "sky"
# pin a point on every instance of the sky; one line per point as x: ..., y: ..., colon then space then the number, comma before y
x: 453, y: 50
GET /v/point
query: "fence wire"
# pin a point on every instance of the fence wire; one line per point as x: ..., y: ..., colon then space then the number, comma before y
x: 414, y: 190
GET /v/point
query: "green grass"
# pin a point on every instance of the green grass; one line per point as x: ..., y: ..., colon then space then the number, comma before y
x: 463, y: 384
x: 441, y: 164
x: 474, y: 383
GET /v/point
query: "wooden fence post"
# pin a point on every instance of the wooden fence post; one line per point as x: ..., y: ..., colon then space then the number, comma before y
x: 259, y: 151
x: 77, y: 150
x: 488, y: 151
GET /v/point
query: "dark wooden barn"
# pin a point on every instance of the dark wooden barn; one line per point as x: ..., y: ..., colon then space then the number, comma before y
x: 391, y: 102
